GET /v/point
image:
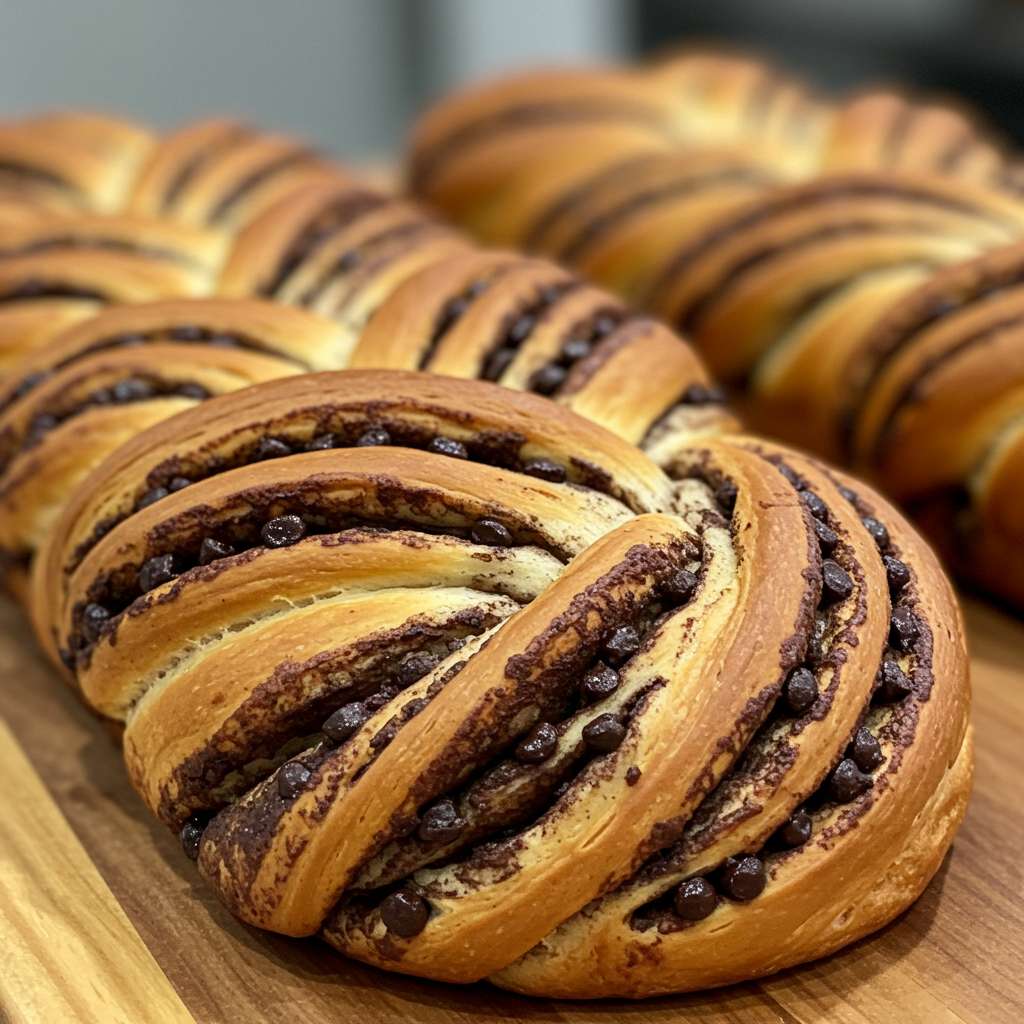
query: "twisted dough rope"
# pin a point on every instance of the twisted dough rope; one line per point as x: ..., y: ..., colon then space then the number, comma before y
x: 468, y: 685
x: 389, y: 287
x: 786, y: 236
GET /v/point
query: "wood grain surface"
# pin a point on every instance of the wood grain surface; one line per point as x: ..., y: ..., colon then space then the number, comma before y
x: 957, y: 955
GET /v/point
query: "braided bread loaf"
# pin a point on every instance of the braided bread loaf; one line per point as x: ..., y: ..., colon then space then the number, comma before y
x: 797, y: 243
x: 468, y: 685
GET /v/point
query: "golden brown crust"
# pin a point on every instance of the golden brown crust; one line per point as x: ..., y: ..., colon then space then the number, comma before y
x: 451, y: 590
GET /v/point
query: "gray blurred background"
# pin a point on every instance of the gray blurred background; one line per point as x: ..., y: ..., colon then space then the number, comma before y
x: 351, y: 73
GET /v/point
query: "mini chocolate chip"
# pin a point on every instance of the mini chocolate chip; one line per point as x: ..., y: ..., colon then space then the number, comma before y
x: 210, y: 550
x: 575, y: 349
x: 866, y: 751
x: 385, y: 694
x: 345, y: 721
x: 726, y: 495
x: 101, y: 396
x: 151, y: 496
x: 272, y: 448
x: 414, y: 667
x: 598, y: 682
x: 187, y: 332
x: 893, y: 683
x: 695, y: 899
x: 448, y: 446
x: 680, y: 585
x: 94, y: 618
x: 622, y: 644
x: 796, y: 831
x: 193, y: 389
x: 877, y: 530
x: 292, y: 779
x: 405, y: 913
x: 179, y: 483
x: 815, y: 505
x: 604, y: 324
x: 548, y: 379
x: 836, y: 584
x: 441, y: 823
x: 156, y: 571
x: 321, y: 443
x: 604, y: 734
x: 498, y: 362
x: 848, y: 782
x: 903, y: 628
x: 545, y: 469
x: 632, y: 775
x: 490, y: 531
x: 827, y: 537
x: 375, y: 437
x: 850, y: 496
x: 520, y: 329
x: 538, y: 745
x: 191, y: 835
x: 281, y: 531
x: 133, y: 389
x: 743, y: 878
x: 897, y: 572
x: 801, y: 690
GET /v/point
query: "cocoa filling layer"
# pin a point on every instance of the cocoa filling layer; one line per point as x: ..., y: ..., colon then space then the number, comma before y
x: 451, y: 313
x: 582, y: 339
x: 30, y: 172
x: 323, y: 226
x: 192, y: 167
x: 227, y: 203
x: 37, y: 288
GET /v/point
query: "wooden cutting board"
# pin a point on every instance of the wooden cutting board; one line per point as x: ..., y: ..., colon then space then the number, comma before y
x: 102, y: 918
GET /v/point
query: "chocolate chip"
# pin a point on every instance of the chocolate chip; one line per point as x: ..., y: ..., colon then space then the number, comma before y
x: 622, y: 644
x: 695, y: 899
x: 321, y: 443
x: 375, y: 437
x: 179, y: 483
x: 598, y: 682
x: 850, y: 496
x: 604, y: 324
x: 187, y: 332
x: 156, y: 571
x: 210, y: 550
x: 191, y: 835
x: 42, y: 424
x: 604, y: 734
x: 893, y: 683
x: 344, y: 722
x: 576, y: 349
x: 548, y: 379
x: 866, y: 751
x: 405, y: 913
x: 134, y: 389
x: 743, y: 878
x: 800, y: 691
x: 224, y: 341
x: 814, y: 504
x: 441, y: 823
x: 827, y: 537
x: 498, y: 362
x: 193, y: 389
x: 796, y: 831
x: 292, y: 779
x: 281, y: 531
x: 448, y: 446
x: 877, y: 530
x: 520, y: 329
x: 94, y: 618
x: 101, y: 396
x: 679, y: 587
x: 700, y: 394
x: 848, y: 782
x: 272, y: 448
x: 490, y: 531
x: 897, y: 572
x: 385, y: 694
x: 903, y: 628
x: 632, y: 775
x: 29, y: 382
x: 836, y: 584
x: 414, y: 667
x: 151, y: 496
x: 538, y: 745
x: 545, y: 469
x: 726, y: 495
